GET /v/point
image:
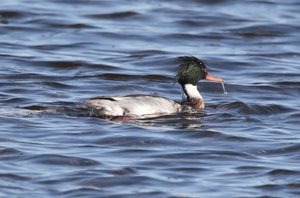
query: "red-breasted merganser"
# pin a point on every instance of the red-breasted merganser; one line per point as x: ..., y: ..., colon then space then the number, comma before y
x: 190, y: 71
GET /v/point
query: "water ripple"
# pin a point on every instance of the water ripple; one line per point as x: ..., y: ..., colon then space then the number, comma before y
x: 56, y: 54
x: 114, y: 15
x: 61, y: 160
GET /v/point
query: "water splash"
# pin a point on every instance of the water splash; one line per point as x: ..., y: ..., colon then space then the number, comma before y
x: 224, y: 90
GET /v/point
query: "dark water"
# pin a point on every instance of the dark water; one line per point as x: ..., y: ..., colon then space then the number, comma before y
x: 54, y: 54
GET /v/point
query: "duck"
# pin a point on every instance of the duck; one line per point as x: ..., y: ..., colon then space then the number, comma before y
x: 190, y: 71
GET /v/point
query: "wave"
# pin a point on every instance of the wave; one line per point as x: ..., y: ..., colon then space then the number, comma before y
x: 260, y: 109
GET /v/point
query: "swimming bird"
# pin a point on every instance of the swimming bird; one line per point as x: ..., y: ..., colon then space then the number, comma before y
x: 190, y: 71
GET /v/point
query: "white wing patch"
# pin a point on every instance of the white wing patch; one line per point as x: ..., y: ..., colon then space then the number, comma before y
x: 138, y: 106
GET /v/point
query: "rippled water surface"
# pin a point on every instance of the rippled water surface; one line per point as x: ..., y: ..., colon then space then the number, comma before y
x: 55, y: 54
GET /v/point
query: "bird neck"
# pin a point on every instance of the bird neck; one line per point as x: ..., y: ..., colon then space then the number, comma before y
x: 191, y: 94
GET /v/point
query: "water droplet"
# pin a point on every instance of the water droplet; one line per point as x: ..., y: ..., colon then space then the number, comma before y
x: 224, y: 90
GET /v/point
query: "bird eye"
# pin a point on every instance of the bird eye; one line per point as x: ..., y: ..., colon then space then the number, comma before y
x: 205, y: 70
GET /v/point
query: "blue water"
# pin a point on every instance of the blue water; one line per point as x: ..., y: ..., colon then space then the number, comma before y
x: 55, y: 54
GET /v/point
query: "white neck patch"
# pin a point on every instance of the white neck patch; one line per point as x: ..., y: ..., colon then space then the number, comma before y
x: 191, y: 91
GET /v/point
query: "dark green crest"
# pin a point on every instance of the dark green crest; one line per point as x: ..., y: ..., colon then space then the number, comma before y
x: 190, y: 71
